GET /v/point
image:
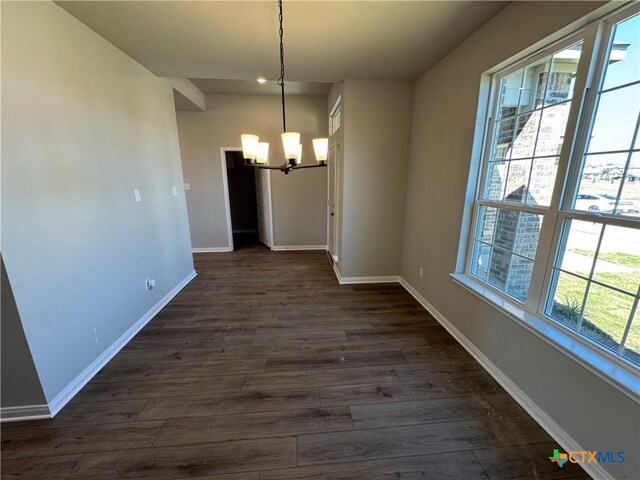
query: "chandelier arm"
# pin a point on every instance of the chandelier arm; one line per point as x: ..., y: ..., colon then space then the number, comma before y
x: 262, y: 167
x: 281, y: 79
x: 310, y: 166
x: 283, y: 167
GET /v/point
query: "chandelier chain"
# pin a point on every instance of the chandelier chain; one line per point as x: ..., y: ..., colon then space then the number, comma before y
x: 281, y: 79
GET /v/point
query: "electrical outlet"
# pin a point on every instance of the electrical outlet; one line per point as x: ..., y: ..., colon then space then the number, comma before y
x: 95, y: 334
x: 421, y: 272
x: 150, y: 283
x: 187, y: 186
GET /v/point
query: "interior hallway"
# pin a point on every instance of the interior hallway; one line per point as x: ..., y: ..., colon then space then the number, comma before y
x: 264, y: 367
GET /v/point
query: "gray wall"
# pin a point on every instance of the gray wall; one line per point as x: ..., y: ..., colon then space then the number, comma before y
x: 376, y: 137
x: 20, y: 382
x: 299, y: 200
x: 445, y: 106
x: 83, y: 125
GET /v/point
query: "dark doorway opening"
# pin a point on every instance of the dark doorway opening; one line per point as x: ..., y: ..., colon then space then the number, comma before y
x: 242, y: 200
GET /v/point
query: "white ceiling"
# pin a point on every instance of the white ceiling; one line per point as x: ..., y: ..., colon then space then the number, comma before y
x: 251, y: 87
x: 325, y: 41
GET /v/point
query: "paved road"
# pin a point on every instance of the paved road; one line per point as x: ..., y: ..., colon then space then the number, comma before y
x: 617, y: 239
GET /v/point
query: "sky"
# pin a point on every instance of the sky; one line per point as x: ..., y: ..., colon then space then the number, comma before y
x: 618, y: 110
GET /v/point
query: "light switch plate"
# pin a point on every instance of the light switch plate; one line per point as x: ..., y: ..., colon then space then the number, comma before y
x: 136, y: 194
x: 187, y: 186
x: 174, y: 191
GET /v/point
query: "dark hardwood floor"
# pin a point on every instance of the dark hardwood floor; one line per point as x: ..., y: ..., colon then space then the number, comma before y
x: 264, y: 367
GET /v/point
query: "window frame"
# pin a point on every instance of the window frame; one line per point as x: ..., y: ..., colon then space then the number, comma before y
x: 597, y: 39
x: 335, y: 113
x: 546, y: 212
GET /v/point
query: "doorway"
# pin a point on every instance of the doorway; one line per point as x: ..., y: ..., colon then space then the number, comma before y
x: 249, y: 202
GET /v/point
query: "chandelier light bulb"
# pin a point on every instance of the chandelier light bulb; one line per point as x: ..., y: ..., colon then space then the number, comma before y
x: 249, y: 147
x: 321, y: 149
x: 299, y: 157
x: 290, y: 142
x: 262, y: 153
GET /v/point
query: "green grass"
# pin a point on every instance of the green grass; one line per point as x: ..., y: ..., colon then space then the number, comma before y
x: 627, y: 281
x: 624, y: 281
x: 606, y: 310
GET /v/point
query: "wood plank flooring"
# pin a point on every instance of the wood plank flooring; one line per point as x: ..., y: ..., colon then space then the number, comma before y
x: 265, y: 368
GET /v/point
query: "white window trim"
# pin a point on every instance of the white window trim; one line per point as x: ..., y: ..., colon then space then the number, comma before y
x: 615, y: 370
x: 549, y: 213
x: 337, y: 108
x: 611, y: 369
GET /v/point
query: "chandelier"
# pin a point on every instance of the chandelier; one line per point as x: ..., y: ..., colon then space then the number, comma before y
x: 256, y: 153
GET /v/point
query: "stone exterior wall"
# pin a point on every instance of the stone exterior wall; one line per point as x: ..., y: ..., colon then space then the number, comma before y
x: 536, y: 134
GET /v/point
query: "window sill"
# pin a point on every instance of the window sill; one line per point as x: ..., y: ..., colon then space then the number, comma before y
x: 622, y: 377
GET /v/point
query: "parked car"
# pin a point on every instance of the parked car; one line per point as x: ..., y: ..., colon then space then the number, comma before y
x: 603, y: 203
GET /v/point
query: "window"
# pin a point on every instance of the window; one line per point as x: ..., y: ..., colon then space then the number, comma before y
x: 334, y: 117
x: 556, y: 224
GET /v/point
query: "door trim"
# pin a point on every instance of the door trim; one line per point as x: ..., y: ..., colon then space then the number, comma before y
x: 225, y: 188
x: 332, y: 241
x: 329, y: 201
x: 269, y: 219
x: 270, y: 204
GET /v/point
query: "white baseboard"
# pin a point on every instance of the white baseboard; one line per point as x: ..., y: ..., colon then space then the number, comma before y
x: 565, y: 440
x: 67, y: 393
x: 337, y: 272
x: 212, y: 250
x: 280, y: 248
x: 354, y: 280
x: 26, y: 412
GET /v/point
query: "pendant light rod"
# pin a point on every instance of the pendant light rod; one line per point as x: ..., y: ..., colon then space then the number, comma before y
x: 281, y: 79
